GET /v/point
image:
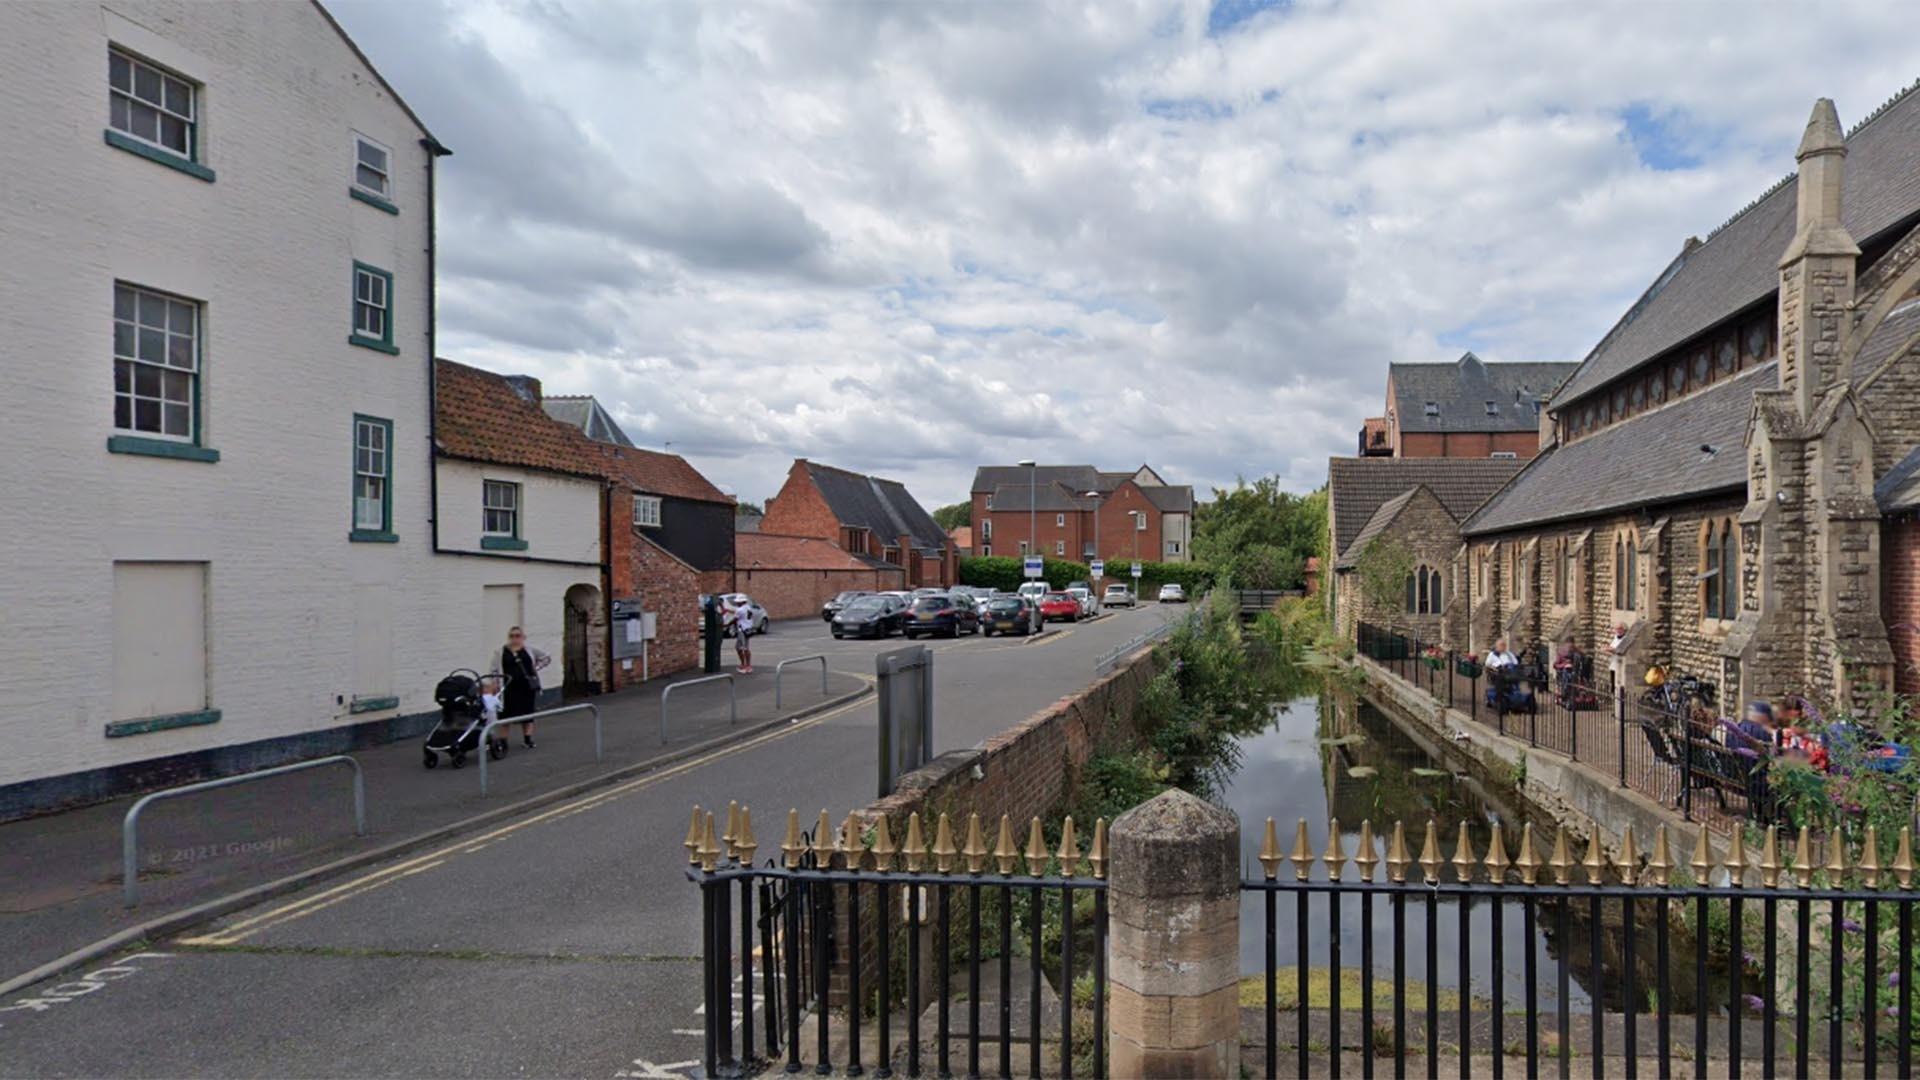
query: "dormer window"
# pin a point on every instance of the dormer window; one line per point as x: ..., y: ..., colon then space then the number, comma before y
x: 1493, y: 408
x: 1433, y: 408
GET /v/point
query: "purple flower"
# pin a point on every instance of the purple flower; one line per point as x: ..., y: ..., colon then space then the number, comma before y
x: 1748, y: 959
x: 1850, y: 926
x: 1753, y: 1002
x: 1893, y: 979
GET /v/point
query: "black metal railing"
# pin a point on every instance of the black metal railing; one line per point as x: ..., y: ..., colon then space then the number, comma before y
x: 853, y: 946
x: 1681, y: 964
x: 1676, y: 760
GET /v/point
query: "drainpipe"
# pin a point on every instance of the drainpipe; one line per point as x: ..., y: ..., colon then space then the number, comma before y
x: 434, y: 152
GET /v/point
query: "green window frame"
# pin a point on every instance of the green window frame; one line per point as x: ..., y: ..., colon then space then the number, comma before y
x: 371, y: 313
x: 371, y: 504
x: 500, y: 514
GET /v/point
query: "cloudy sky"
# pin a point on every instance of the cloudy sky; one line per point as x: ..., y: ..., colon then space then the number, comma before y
x: 908, y: 238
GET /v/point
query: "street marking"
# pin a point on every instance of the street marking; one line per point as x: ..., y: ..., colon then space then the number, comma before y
x: 285, y: 913
x: 649, y: 1071
x: 74, y: 989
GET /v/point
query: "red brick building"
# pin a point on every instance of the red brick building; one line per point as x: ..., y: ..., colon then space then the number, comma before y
x: 1464, y: 409
x: 870, y: 518
x: 1080, y: 513
x: 792, y: 576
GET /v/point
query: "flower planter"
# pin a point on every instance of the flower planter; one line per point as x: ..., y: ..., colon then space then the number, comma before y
x: 1467, y: 668
x: 1435, y: 663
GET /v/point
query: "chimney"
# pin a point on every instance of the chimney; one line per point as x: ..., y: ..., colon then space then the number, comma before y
x: 1817, y: 271
x: 526, y: 386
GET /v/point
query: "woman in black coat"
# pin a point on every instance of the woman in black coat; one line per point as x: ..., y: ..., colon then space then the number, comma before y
x: 520, y: 667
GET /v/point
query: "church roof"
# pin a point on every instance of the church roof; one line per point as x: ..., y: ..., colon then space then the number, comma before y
x: 1737, y: 266
x: 1471, y: 395
x: 1358, y: 486
x: 1375, y: 525
x: 1898, y: 492
x: 1651, y: 458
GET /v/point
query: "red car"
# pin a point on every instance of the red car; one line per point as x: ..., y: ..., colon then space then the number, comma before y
x: 1059, y: 605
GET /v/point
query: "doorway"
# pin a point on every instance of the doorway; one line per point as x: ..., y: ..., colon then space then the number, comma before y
x: 581, y: 655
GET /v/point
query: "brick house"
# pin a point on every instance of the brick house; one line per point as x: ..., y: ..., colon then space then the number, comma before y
x: 1136, y: 515
x: 1468, y: 408
x: 792, y: 576
x: 670, y: 538
x: 871, y: 518
x: 1729, y: 473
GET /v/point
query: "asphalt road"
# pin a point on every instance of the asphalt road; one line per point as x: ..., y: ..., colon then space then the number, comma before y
x: 560, y: 944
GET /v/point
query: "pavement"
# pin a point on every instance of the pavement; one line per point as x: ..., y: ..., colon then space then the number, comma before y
x: 561, y: 942
x: 60, y: 874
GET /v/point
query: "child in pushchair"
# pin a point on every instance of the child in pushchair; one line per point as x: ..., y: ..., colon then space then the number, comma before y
x: 466, y: 703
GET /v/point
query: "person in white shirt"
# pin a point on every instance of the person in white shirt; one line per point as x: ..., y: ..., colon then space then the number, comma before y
x: 490, y: 704
x: 1500, y: 658
x: 742, y: 631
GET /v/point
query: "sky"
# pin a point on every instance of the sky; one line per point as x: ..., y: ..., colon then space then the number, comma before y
x: 910, y: 238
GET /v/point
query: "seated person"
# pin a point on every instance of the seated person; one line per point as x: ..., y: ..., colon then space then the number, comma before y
x: 1502, y: 665
x: 1756, y: 730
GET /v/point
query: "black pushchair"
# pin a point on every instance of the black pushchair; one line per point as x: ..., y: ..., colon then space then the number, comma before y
x: 461, y: 721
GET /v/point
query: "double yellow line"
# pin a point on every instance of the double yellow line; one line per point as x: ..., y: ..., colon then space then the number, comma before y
x: 237, y: 932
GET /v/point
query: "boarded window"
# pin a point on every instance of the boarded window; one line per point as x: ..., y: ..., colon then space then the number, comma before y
x: 159, y: 638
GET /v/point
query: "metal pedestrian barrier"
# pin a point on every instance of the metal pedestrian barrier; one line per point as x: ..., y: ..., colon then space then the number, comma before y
x: 781, y: 667
x: 130, y: 827
x: 487, y: 731
x: 733, y: 699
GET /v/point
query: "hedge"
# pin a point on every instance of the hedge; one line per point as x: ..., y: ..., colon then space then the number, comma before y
x: 1004, y: 573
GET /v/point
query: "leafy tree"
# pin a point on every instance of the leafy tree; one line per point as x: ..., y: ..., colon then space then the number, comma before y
x: 954, y: 516
x: 1382, y: 568
x: 746, y: 507
x: 1259, y: 532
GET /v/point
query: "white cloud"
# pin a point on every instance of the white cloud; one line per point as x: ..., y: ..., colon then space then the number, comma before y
x: 912, y: 238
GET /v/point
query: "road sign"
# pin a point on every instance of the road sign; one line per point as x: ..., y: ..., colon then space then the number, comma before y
x: 1035, y: 566
x: 1136, y: 571
x: 1098, y: 568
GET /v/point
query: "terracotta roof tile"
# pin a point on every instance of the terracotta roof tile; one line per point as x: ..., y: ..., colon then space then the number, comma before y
x: 771, y: 551
x: 482, y: 417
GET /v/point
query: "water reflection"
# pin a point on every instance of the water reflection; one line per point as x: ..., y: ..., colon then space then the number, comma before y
x: 1319, y: 759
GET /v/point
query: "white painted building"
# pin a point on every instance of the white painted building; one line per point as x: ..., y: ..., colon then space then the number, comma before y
x: 217, y: 331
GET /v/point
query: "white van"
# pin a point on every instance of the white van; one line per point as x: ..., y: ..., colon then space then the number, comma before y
x: 1034, y: 590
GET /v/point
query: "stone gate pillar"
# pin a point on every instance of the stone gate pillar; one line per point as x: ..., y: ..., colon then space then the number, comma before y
x: 1174, y: 949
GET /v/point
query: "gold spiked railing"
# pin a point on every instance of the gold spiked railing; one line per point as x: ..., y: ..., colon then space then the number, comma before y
x: 1642, y: 917
x: 838, y: 902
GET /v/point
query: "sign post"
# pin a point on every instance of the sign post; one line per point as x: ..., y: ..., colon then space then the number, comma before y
x: 1136, y: 581
x: 1035, y: 567
x: 1098, y: 568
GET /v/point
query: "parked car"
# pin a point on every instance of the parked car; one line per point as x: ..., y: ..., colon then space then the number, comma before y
x: 876, y: 615
x: 1084, y: 593
x: 757, y: 623
x: 1059, y: 605
x: 1010, y: 615
x: 1117, y: 595
x: 929, y: 590
x: 832, y: 607
x: 1173, y: 593
x: 1034, y: 590
x: 941, y: 614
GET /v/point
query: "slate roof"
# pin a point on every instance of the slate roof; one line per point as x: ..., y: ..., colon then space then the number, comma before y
x: 1076, y: 477
x: 880, y: 505
x: 1375, y: 525
x: 1738, y: 264
x: 1357, y: 486
x: 585, y: 412
x: 1651, y: 458
x: 1898, y: 492
x: 775, y: 552
x: 1048, y: 497
x: 481, y: 416
x: 1462, y: 389
x: 1171, y: 499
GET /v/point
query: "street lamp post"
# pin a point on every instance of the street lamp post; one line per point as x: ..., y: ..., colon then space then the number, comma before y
x: 1033, y: 505
x: 1095, y: 496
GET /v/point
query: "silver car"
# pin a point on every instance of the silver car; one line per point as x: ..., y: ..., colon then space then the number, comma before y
x: 1117, y: 595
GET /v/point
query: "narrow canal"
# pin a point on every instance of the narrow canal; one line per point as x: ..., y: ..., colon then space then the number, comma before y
x: 1335, y: 757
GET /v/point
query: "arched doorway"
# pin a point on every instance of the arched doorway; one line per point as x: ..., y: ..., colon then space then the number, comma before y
x: 583, y: 657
